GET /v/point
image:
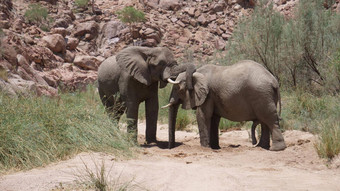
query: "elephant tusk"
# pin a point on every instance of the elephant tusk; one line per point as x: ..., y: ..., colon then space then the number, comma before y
x: 170, y: 104
x: 172, y: 82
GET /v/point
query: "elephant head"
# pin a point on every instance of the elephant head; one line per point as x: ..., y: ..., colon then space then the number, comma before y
x: 189, y: 98
x: 148, y: 65
x: 189, y: 95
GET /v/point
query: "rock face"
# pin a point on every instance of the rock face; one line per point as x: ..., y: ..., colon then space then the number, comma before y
x: 68, y: 56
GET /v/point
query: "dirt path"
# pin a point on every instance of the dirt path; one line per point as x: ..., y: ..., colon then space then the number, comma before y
x: 236, y: 166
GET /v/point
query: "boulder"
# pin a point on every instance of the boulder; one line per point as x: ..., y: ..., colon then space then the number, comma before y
x: 71, y: 43
x: 170, y: 4
x: 91, y: 28
x: 6, y: 88
x: 202, y: 20
x: 60, y: 30
x: 86, y: 62
x: 55, y: 42
x: 69, y: 56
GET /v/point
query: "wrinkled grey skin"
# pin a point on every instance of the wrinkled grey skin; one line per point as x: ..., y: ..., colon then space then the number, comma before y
x: 133, y: 76
x: 245, y: 91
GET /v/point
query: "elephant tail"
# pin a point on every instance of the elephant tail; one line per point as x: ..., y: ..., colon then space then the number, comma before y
x: 277, y: 91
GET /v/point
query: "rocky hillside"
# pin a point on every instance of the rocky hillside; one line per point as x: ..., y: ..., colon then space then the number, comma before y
x: 79, y: 39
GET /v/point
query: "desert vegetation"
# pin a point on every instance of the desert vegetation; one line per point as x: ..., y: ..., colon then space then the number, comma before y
x: 36, y: 131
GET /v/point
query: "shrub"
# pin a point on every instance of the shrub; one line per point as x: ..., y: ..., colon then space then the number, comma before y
x: 130, y: 16
x: 81, y: 3
x: 38, y: 15
x: 38, y: 130
x: 297, y: 51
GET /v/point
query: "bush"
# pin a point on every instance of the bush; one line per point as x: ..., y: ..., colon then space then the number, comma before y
x: 130, y: 15
x: 38, y: 15
x: 81, y: 3
x: 38, y: 130
x: 297, y: 51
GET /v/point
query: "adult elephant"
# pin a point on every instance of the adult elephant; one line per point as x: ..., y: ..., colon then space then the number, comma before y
x: 245, y: 91
x: 131, y: 77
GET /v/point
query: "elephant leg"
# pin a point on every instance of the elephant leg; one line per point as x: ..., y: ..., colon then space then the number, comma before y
x: 265, y: 137
x: 151, y: 109
x: 278, y: 142
x: 113, y: 105
x: 253, y: 136
x: 203, y: 115
x: 132, y: 117
x: 214, y: 139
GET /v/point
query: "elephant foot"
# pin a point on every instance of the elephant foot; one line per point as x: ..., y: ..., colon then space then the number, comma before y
x: 205, y: 144
x: 153, y: 140
x: 171, y: 145
x: 278, y: 146
x: 263, y: 145
x: 215, y: 147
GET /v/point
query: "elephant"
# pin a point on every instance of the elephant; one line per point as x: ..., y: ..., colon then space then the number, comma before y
x: 132, y: 77
x: 245, y: 91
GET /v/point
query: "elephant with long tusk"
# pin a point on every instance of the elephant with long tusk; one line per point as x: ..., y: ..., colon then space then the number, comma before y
x: 245, y: 91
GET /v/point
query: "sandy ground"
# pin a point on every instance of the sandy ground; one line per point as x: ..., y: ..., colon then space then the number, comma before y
x: 236, y: 166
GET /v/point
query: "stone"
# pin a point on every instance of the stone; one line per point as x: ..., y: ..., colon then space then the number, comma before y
x: 170, y: 4
x: 60, y: 30
x: 21, y: 86
x: 55, y: 42
x: 237, y: 7
x: 149, y: 42
x: 69, y: 56
x: 91, y: 28
x: 86, y: 62
x: 202, y: 20
x: 71, y: 43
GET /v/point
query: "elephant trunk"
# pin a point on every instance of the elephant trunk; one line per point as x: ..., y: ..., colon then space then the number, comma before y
x: 189, y: 69
x: 173, y: 109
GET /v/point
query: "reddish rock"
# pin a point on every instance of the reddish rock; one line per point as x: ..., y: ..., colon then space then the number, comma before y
x: 91, y: 28
x: 72, y: 43
x: 55, y: 42
x: 86, y: 62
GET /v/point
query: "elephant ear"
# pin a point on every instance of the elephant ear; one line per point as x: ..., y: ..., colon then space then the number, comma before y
x: 134, y: 62
x: 197, y: 96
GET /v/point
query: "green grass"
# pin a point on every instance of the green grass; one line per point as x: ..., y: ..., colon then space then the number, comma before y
x: 38, y: 130
x: 328, y: 145
x: 304, y: 111
x: 81, y: 3
x: 315, y: 114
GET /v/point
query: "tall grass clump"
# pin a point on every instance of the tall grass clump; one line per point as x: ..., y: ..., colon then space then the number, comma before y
x: 299, y: 51
x: 328, y: 145
x: 305, y: 111
x: 38, y: 130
